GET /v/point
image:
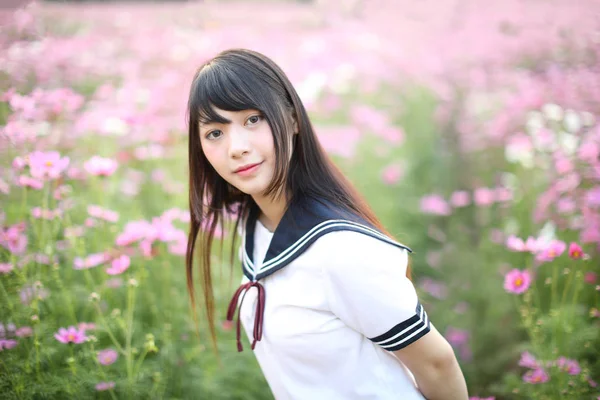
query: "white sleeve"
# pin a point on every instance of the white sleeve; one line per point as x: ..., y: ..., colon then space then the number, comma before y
x: 367, y: 289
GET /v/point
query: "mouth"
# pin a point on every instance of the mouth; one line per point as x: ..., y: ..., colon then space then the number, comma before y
x: 247, y: 168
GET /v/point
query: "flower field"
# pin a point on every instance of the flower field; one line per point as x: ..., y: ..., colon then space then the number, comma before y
x: 472, y: 128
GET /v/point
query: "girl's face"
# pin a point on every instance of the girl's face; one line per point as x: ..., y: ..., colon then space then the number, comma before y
x: 241, y: 150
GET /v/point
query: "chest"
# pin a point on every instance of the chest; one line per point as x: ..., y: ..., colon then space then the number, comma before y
x: 297, y: 315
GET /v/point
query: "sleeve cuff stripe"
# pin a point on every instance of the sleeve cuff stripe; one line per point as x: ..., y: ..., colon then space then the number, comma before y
x: 408, y: 341
x: 404, y: 330
x: 410, y: 337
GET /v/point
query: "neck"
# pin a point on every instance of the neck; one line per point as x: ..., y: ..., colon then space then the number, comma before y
x: 272, y: 210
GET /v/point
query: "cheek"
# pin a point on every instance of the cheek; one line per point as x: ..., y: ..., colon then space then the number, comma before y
x: 214, y: 157
x: 266, y: 143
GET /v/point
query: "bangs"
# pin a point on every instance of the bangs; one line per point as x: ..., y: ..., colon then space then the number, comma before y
x: 227, y: 88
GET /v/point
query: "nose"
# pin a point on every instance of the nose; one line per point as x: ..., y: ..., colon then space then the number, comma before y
x: 239, y: 142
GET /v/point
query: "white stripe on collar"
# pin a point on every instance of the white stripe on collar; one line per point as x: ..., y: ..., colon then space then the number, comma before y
x: 315, y: 232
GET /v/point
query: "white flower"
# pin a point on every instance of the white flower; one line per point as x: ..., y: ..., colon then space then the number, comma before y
x: 342, y: 78
x: 43, y: 129
x: 516, y: 154
x: 553, y: 112
x: 568, y: 142
x: 535, y: 122
x: 115, y: 126
x: 547, y: 233
x: 572, y: 121
x: 311, y: 87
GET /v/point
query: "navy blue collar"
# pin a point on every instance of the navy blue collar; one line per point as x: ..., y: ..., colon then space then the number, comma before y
x: 304, y: 221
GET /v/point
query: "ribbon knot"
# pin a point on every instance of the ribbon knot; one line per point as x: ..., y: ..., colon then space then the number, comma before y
x: 260, y: 311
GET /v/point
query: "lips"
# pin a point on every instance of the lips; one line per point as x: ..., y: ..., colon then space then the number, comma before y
x: 246, y: 167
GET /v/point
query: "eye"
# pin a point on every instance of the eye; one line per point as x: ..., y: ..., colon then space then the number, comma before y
x: 212, y: 135
x: 254, y: 119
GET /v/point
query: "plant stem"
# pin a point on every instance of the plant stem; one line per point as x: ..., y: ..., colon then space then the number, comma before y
x: 129, y: 334
x: 109, y: 331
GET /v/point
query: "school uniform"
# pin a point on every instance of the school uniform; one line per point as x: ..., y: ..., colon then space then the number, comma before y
x: 324, y: 301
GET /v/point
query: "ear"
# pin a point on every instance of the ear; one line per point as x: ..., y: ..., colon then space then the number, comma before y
x: 295, y: 127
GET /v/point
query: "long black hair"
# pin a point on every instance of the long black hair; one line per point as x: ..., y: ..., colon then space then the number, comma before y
x: 236, y: 80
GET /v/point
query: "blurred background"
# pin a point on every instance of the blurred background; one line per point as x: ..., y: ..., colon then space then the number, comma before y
x: 470, y: 127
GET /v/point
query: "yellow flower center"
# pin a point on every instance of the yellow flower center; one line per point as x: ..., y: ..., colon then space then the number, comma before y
x: 71, y: 336
x: 48, y: 163
x: 519, y: 281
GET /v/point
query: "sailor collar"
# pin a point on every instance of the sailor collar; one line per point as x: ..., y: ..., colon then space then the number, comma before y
x: 305, y: 220
x: 301, y: 225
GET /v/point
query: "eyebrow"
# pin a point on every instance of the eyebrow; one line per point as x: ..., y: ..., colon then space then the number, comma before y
x: 213, y: 119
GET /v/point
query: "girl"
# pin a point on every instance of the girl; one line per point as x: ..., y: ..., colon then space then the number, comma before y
x: 326, y: 297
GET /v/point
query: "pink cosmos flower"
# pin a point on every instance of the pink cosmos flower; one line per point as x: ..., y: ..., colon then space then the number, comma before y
x: 536, y: 376
x: 590, y: 277
x: 571, y: 367
x: 102, y: 213
x: 119, y: 265
x: 435, y: 204
x: 563, y: 165
x: 107, y: 356
x: 392, y: 174
x: 47, y: 165
x: 146, y: 248
x: 7, y: 344
x: 134, y: 231
x: 86, y: 326
x: 24, y: 331
x: 14, y: 239
x: 460, y: 198
x: 103, y: 386
x: 27, y: 181
x: 515, y: 243
x: 461, y: 307
x: 5, y: 268
x: 566, y: 205
x: 517, y: 281
x: 93, y: 260
x: 90, y: 222
x: 456, y: 337
x: 528, y: 360
x: 4, y: 186
x: 592, y: 197
x: 38, y: 212
x: 552, y: 250
x: 575, y: 251
x: 70, y: 335
x: 28, y: 293
x: 114, y: 283
x: 484, y: 196
x: 100, y: 166
x: 503, y: 194
x: 588, y: 151
x: 434, y: 288
x: 19, y: 163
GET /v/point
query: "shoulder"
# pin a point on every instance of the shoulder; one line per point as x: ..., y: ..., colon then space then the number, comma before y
x: 347, y: 248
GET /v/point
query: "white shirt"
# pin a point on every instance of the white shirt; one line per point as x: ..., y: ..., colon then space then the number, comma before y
x: 329, y: 314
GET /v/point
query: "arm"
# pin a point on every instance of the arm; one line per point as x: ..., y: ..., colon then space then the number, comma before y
x: 432, y: 361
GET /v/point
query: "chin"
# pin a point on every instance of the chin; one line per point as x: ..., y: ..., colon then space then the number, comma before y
x: 252, y: 190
